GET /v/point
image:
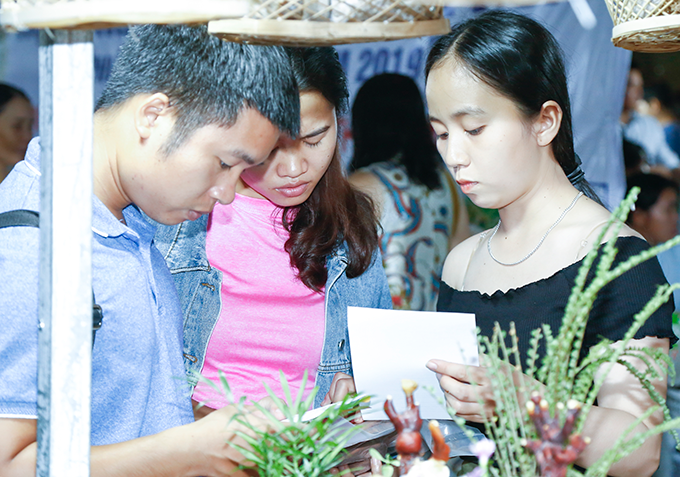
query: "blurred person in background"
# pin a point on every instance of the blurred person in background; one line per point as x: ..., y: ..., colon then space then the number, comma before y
x: 656, y: 218
x: 656, y: 210
x: 16, y: 127
x: 634, y: 159
x: 660, y: 103
x: 396, y: 162
x: 645, y: 130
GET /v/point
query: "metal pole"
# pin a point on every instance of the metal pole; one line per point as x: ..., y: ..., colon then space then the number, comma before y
x: 65, y: 338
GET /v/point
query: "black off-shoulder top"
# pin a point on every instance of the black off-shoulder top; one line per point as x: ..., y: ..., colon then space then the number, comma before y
x: 544, y: 301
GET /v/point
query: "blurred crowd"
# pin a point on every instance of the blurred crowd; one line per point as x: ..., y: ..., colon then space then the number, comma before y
x: 651, y: 149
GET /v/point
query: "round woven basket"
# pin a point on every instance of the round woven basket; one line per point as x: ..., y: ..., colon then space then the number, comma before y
x: 651, y: 26
x: 25, y: 14
x: 331, y: 22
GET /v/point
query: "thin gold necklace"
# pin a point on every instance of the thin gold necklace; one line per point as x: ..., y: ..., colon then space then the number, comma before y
x: 559, y: 219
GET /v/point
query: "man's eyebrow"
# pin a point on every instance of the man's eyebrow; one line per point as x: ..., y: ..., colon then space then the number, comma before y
x: 244, y: 156
x: 316, y: 132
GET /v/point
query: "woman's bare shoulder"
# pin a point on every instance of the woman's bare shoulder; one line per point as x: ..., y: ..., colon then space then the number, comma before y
x: 594, y: 224
x: 457, y: 260
x: 365, y: 180
x: 368, y: 183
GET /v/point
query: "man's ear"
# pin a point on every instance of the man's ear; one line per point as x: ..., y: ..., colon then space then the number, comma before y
x: 148, y: 112
x: 547, y: 124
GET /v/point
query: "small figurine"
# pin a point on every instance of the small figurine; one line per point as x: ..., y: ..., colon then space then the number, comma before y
x: 435, y: 466
x: 557, y: 447
x: 409, y: 440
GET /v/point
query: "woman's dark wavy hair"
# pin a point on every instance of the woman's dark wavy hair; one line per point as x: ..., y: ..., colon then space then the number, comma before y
x: 522, y: 61
x: 335, y: 211
x: 389, y: 123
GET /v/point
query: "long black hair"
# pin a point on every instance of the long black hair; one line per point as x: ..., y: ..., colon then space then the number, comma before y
x: 522, y: 61
x: 389, y: 123
x: 335, y: 212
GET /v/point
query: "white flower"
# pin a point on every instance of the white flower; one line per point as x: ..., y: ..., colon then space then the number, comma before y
x: 429, y: 468
x: 483, y: 449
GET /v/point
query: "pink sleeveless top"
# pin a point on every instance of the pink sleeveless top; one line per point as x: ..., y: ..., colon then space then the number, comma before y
x: 269, y: 320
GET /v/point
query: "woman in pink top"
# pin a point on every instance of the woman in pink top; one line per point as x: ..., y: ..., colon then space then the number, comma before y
x: 266, y: 280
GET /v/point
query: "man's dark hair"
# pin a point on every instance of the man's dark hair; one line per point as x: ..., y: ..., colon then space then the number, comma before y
x: 662, y: 92
x: 8, y: 93
x: 633, y: 156
x: 651, y: 186
x: 208, y: 80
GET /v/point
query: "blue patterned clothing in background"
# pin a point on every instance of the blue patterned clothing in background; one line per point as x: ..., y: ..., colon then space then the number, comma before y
x: 416, y: 226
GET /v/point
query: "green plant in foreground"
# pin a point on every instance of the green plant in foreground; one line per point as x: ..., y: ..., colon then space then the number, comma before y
x: 562, y: 375
x: 292, y: 447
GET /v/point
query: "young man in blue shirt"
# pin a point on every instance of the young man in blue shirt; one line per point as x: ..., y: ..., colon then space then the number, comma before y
x: 182, y: 115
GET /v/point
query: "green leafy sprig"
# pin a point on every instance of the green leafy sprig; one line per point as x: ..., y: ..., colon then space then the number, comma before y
x: 292, y: 447
x: 563, y: 374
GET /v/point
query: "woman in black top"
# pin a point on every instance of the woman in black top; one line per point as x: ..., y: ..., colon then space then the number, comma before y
x: 498, y: 101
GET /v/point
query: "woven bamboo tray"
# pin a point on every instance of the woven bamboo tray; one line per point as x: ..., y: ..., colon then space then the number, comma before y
x: 651, y: 26
x: 25, y: 14
x: 332, y: 22
x: 486, y: 3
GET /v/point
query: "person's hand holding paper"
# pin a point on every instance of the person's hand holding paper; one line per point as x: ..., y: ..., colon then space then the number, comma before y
x: 341, y: 386
x: 463, y: 386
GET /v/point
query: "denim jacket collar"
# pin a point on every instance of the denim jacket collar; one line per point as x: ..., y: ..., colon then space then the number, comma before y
x: 179, y: 256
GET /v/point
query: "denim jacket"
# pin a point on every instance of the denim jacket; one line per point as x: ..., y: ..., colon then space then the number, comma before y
x: 199, y: 286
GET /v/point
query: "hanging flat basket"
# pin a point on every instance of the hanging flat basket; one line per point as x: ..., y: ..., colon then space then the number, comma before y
x: 488, y: 3
x: 332, y: 22
x: 651, y: 26
x: 27, y: 14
